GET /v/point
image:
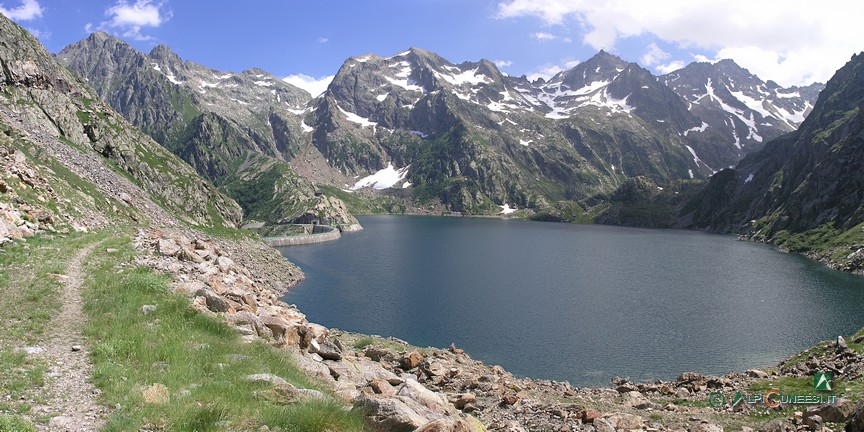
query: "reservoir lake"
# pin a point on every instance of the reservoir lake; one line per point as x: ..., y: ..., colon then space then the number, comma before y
x: 581, y: 303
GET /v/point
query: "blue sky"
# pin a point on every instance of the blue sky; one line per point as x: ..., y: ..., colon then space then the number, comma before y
x: 791, y: 41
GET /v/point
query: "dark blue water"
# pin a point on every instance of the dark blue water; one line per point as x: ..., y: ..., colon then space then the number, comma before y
x: 576, y: 302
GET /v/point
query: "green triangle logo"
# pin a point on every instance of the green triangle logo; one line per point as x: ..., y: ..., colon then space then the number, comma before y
x: 822, y: 381
x: 738, y: 398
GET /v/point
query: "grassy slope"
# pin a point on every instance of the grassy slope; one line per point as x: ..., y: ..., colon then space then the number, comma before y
x: 201, y: 360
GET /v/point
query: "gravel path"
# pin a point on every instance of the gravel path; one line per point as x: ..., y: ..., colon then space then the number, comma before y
x: 70, y: 397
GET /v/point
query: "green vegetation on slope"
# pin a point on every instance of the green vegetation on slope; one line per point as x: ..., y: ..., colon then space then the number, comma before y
x: 201, y: 361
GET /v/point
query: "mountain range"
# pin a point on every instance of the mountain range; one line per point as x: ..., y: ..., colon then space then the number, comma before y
x: 426, y: 130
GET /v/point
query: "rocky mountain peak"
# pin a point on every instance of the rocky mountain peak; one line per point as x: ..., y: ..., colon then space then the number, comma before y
x: 161, y: 52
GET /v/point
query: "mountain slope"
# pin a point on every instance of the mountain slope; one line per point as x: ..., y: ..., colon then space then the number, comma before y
x: 739, y: 112
x: 473, y: 137
x: 239, y: 130
x: 48, y: 107
x: 476, y: 139
x: 804, y: 189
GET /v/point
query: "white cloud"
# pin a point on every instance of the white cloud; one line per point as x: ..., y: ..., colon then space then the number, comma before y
x: 549, y: 71
x: 546, y: 37
x: 791, y: 41
x: 315, y: 87
x: 502, y: 63
x: 27, y: 11
x: 654, y: 55
x: 669, y: 67
x: 543, y: 36
x: 323, y: 40
x: 128, y: 19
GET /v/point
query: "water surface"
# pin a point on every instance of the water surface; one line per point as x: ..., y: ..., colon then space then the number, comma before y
x: 576, y: 302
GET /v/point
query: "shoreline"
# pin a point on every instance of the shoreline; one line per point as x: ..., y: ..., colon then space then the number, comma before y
x: 403, y: 387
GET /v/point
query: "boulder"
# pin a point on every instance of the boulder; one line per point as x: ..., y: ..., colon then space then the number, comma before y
x: 588, y: 415
x: 379, y: 354
x: 329, y: 351
x: 382, y: 387
x: 838, y: 412
x: 215, y: 302
x: 856, y: 419
x: 707, y: 427
x: 636, y: 400
x: 411, y: 360
x: 841, y: 343
x: 509, y: 400
x: 624, y: 422
x: 389, y: 414
x: 168, y: 247
x: 757, y: 373
x: 433, y: 368
x: 462, y: 399
x: 603, y: 425
x: 224, y: 263
x: 415, y: 391
x: 777, y: 425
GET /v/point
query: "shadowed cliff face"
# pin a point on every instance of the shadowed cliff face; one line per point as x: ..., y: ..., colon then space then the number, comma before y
x: 238, y: 130
x: 43, y: 98
x: 804, y: 190
x: 802, y: 180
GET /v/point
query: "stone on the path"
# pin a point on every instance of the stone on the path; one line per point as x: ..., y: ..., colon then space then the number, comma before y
x: 58, y: 277
x: 76, y: 348
x: 156, y: 394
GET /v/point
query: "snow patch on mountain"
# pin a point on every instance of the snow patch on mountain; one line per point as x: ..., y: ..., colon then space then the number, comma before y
x: 383, y: 179
x: 697, y: 129
x: 354, y: 118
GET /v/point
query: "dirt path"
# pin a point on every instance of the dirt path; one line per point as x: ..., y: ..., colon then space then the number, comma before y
x: 70, y: 397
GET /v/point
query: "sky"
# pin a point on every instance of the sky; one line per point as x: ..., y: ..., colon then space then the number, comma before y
x: 793, y: 42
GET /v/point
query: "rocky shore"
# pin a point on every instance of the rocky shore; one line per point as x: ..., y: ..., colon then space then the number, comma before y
x: 400, y: 387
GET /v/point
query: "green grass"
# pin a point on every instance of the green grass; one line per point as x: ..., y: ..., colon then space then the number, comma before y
x: 201, y: 361
x: 15, y: 424
x: 363, y: 343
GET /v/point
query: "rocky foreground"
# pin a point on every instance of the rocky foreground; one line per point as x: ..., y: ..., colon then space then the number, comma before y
x: 404, y: 388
